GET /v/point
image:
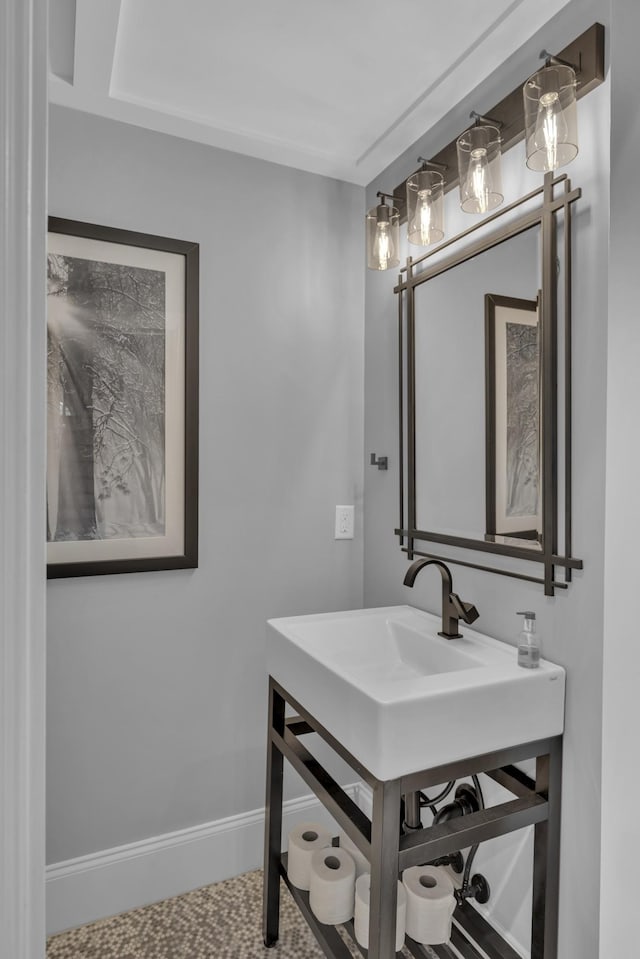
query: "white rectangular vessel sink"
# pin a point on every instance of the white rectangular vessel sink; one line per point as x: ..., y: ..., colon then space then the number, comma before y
x: 401, y: 698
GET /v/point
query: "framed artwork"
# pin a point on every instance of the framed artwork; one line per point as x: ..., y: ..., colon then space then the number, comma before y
x: 513, y: 447
x: 122, y: 395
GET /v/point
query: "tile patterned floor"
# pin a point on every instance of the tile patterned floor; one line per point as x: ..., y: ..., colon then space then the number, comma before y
x: 222, y: 921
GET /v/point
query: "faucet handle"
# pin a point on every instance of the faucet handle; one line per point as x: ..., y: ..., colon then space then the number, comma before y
x: 466, y: 611
x: 471, y: 613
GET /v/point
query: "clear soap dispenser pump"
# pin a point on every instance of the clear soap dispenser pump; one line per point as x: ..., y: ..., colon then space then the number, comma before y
x: 528, y: 645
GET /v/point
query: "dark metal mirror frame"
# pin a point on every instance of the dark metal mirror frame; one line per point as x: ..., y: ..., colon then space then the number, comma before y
x: 556, y: 196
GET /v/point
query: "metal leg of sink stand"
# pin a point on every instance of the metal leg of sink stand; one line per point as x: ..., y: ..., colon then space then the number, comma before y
x: 273, y: 822
x: 546, y: 857
x: 384, y: 870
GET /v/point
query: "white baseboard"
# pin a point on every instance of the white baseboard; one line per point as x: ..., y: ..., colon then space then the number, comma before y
x: 115, y: 880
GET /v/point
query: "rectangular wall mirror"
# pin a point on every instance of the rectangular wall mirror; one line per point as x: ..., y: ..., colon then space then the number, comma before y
x: 485, y: 391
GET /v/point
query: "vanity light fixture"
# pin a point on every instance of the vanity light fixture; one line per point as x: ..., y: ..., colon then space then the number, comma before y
x: 479, y: 165
x: 425, y: 203
x: 550, y: 115
x: 383, y: 234
x: 473, y: 159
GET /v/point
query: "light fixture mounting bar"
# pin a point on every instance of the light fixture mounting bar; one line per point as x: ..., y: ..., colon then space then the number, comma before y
x: 480, y: 118
x: 587, y: 50
x: 436, y: 166
x: 549, y: 58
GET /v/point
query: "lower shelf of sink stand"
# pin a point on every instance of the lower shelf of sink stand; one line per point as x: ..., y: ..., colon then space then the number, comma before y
x: 468, y: 927
x: 536, y: 804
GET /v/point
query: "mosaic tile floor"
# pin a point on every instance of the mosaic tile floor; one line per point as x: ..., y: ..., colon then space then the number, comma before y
x: 222, y: 921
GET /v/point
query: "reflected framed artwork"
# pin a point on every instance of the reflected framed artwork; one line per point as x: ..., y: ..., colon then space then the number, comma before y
x: 513, y: 447
x: 122, y: 401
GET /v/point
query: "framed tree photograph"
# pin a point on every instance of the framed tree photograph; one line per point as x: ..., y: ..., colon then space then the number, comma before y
x: 513, y: 448
x: 122, y: 395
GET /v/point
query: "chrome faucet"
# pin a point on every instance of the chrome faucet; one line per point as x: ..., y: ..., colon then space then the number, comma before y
x: 452, y: 606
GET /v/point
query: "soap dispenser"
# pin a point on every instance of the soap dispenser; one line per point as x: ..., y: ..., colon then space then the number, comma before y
x: 528, y: 645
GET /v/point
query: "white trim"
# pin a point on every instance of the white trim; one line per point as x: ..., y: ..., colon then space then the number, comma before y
x: 23, y: 130
x: 95, y: 44
x: 116, y: 880
x: 97, y: 26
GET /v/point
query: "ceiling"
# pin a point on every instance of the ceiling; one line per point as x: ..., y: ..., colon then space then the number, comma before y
x: 336, y: 87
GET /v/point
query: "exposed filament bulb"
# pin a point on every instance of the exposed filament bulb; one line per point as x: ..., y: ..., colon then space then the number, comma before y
x: 383, y: 245
x: 423, y: 219
x: 478, y: 183
x: 551, y: 127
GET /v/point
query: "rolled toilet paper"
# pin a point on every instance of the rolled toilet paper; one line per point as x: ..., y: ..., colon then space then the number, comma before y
x: 430, y: 904
x: 361, y: 913
x: 332, y: 885
x: 304, y: 840
x: 361, y: 861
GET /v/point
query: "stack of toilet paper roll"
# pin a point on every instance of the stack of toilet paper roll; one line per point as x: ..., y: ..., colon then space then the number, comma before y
x: 332, y: 885
x: 304, y: 840
x: 327, y: 873
x: 361, y: 914
x: 430, y: 904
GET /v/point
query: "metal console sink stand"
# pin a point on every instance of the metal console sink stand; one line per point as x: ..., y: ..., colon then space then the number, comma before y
x: 534, y: 803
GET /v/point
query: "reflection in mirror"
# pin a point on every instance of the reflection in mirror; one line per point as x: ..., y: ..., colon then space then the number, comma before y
x: 477, y: 397
x: 512, y: 408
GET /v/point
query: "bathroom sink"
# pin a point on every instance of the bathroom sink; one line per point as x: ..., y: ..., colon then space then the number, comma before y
x: 401, y: 698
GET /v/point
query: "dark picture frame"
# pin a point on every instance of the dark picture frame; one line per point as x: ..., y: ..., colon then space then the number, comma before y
x: 122, y: 459
x: 512, y: 408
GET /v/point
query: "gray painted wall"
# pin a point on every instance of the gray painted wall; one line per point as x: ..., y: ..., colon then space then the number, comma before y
x: 147, y: 672
x: 156, y: 681
x: 620, y: 774
x: 571, y: 624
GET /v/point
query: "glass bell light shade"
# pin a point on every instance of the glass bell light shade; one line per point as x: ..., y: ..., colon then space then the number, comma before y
x: 480, y: 168
x: 383, y: 237
x: 551, y: 118
x: 425, y: 207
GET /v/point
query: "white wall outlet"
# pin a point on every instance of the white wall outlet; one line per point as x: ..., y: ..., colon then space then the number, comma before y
x: 344, y: 522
